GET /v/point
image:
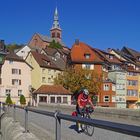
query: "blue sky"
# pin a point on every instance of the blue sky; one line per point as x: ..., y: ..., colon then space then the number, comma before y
x: 100, y: 23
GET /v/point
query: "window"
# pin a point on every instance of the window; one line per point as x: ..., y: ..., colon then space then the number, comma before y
x: 59, y: 99
x: 42, y: 99
x: 132, y: 74
x: 65, y: 100
x: 132, y: 82
x: 10, y: 61
x: 43, y: 79
x: 46, y: 62
x: 53, y: 35
x: 16, y: 82
x: 52, y: 99
x: 22, y: 51
x: 87, y: 66
x: 16, y: 71
x: 49, y: 71
x: 7, y: 91
x: 19, y: 92
x: 57, y: 55
x: 43, y: 71
x: 106, y: 98
x: 49, y: 80
x: 58, y: 35
x: 87, y: 56
x: 110, y: 57
x: 106, y: 87
x: 132, y: 93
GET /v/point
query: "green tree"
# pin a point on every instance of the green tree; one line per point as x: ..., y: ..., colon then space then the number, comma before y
x: 8, y: 100
x: 74, y: 80
x: 55, y: 44
x: 22, y: 100
x: 14, y: 46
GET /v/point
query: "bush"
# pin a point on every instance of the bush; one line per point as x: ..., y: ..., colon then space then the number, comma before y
x: 8, y: 100
x: 22, y: 100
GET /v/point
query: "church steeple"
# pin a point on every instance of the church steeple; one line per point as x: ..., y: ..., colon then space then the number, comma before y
x: 56, y: 30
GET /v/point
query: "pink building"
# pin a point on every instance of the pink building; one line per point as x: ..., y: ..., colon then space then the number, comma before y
x: 15, y: 78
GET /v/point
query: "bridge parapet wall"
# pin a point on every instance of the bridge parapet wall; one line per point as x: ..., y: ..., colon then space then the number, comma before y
x: 130, y: 114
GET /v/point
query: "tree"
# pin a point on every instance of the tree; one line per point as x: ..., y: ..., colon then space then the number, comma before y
x: 8, y: 100
x: 14, y: 46
x: 55, y: 44
x: 22, y: 100
x: 74, y: 80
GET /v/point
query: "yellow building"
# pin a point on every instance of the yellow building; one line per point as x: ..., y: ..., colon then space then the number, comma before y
x: 44, y: 70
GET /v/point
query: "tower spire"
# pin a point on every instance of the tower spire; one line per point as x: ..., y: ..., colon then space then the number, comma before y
x: 56, y: 20
x: 56, y: 30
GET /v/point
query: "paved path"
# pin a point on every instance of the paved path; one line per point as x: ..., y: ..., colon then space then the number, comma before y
x: 44, y: 128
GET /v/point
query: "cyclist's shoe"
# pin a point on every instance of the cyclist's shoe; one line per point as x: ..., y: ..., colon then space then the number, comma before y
x: 80, y: 130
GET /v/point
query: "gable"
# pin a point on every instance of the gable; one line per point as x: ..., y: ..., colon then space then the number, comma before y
x: 84, y: 53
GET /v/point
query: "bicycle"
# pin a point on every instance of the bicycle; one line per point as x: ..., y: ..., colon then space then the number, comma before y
x: 87, y: 129
x: 86, y: 112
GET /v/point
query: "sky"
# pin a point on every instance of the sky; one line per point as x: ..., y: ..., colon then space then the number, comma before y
x: 99, y: 23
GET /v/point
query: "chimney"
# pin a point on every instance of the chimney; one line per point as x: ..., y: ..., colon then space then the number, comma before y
x: 109, y: 50
x: 77, y: 41
x: 2, y: 45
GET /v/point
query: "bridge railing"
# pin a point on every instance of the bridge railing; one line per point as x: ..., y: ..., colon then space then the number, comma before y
x: 113, y: 126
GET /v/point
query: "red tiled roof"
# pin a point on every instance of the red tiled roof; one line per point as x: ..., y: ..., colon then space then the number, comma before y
x: 42, y: 60
x: 78, y: 53
x: 52, y: 89
x: 105, y: 54
x: 12, y: 56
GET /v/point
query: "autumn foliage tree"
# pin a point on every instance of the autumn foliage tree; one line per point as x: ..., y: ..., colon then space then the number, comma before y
x: 74, y: 80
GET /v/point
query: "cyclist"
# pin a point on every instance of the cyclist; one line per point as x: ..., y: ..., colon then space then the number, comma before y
x: 82, y: 101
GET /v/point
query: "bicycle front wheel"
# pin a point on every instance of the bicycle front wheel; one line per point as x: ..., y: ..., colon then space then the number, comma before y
x: 88, y: 129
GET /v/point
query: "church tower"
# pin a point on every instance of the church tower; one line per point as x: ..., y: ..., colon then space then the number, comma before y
x: 56, y: 31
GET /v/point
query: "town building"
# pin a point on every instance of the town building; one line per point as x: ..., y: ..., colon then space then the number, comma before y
x: 131, y: 64
x: 52, y: 94
x: 15, y: 78
x: 85, y: 57
x: 44, y: 70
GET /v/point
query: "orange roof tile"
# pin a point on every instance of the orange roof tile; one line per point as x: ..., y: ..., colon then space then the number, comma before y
x: 78, y: 53
x: 52, y: 89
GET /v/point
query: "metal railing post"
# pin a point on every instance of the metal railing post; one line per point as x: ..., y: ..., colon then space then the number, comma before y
x: 0, y: 107
x: 58, y: 126
x: 4, y: 108
x: 26, y: 120
x: 14, y: 113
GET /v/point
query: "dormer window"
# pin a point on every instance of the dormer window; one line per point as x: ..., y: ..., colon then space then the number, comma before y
x: 47, y: 62
x: 138, y: 58
x: 110, y: 57
x: 57, y: 55
x: 87, y: 56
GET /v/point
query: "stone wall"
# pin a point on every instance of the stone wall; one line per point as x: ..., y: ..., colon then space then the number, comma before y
x: 129, y: 114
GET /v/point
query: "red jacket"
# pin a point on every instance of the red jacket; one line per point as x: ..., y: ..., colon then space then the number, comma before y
x: 82, y: 101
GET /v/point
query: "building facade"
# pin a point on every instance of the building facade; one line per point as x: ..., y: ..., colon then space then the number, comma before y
x: 44, y: 70
x: 15, y: 79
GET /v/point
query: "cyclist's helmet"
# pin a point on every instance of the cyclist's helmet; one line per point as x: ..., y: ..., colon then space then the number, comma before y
x: 85, y: 92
